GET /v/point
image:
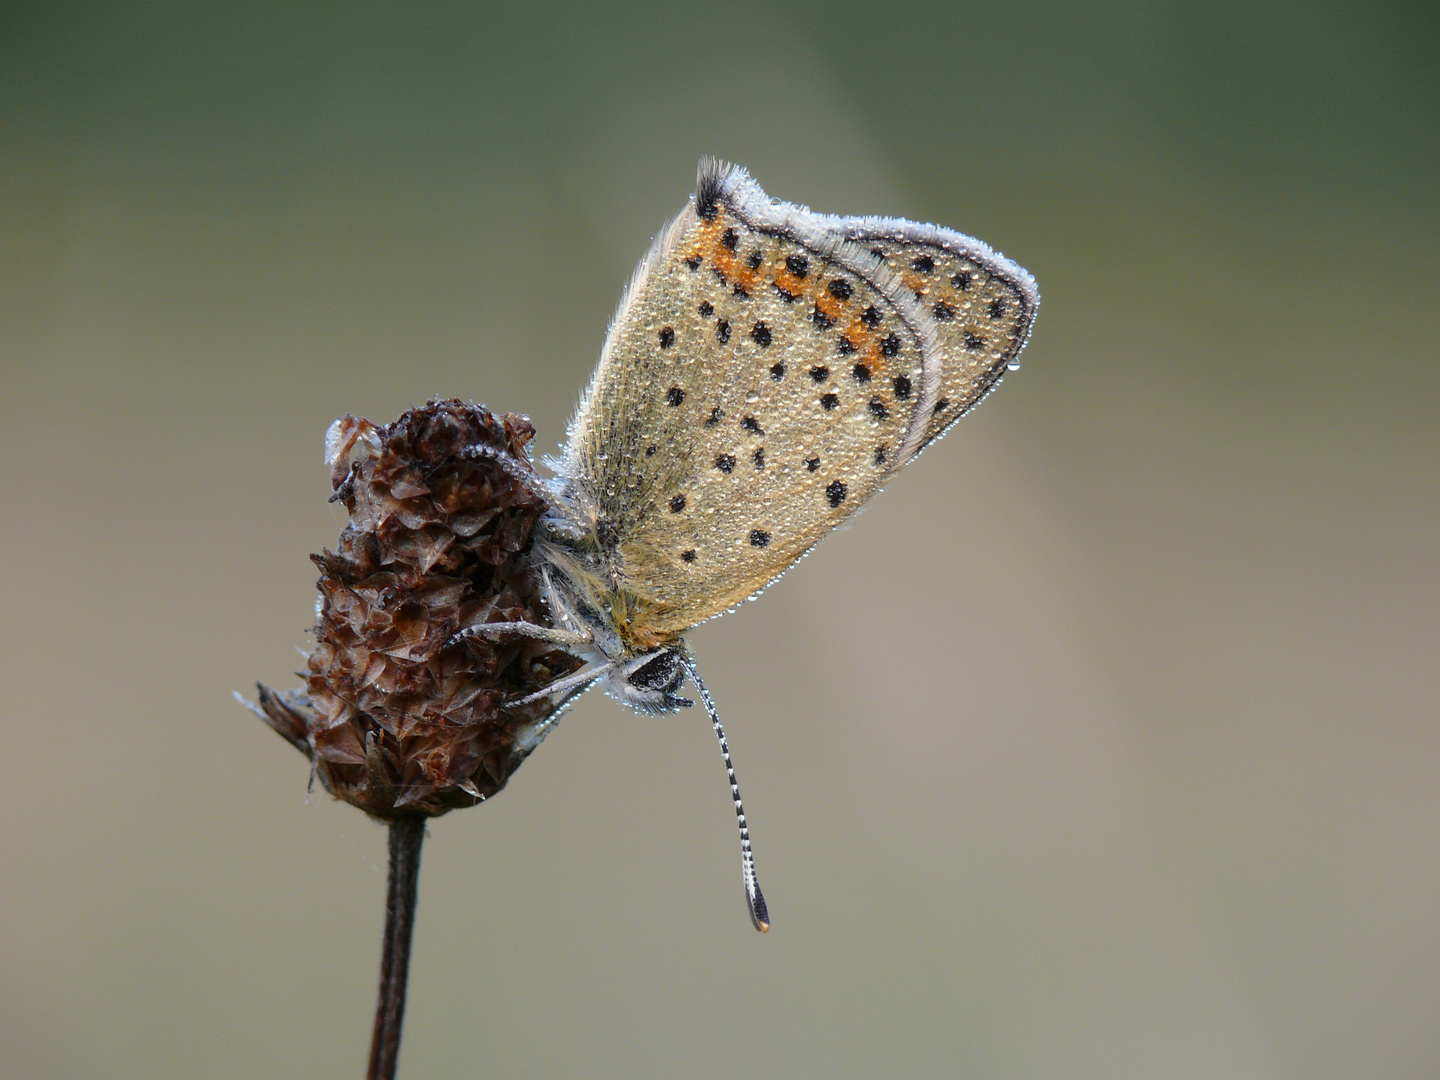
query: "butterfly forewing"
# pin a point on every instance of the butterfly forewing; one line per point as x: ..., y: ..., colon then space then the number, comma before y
x: 767, y: 371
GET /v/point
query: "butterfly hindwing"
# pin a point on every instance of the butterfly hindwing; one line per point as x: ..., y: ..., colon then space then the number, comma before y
x: 983, y: 306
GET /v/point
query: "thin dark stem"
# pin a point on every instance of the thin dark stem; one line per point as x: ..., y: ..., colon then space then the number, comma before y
x: 406, y: 836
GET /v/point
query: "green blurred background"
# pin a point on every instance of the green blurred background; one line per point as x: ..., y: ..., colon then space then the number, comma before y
x: 1103, y: 745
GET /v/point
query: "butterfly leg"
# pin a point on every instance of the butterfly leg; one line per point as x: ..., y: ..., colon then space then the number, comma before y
x: 564, y: 615
x: 565, y: 638
x: 570, y: 684
x: 562, y: 518
x: 570, y: 640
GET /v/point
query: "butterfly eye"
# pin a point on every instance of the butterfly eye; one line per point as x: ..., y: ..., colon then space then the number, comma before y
x: 663, y: 673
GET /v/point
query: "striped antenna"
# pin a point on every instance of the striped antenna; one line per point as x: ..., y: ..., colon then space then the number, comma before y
x: 754, y: 898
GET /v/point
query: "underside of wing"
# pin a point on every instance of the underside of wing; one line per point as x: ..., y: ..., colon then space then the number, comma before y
x: 762, y: 378
x: 983, y: 306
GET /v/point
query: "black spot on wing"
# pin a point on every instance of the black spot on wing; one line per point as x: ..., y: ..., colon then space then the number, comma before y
x: 760, y: 334
x: 725, y: 463
x: 891, y: 344
x: 674, y: 396
x: 860, y: 373
x: 902, y: 387
x: 667, y: 336
x: 677, y: 504
x: 722, y: 331
x: 759, y: 538
x: 752, y: 425
x: 798, y: 265
x: 835, y: 492
x: 829, y: 401
x: 841, y: 289
x: 777, y: 372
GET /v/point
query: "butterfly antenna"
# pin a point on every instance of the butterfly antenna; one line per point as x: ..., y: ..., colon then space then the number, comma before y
x: 754, y: 898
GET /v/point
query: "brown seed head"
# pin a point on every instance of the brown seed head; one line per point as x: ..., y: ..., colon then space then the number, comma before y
x: 393, y: 719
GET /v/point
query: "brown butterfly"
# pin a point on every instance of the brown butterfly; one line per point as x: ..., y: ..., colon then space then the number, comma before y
x: 768, y: 370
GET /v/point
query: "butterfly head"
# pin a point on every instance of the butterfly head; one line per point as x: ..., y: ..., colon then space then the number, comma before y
x: 649, y: 682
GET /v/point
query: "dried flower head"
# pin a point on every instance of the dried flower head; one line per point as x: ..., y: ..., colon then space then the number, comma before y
x: 394, y: 719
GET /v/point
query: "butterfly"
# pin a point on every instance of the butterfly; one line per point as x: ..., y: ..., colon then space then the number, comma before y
x: 767, y: 371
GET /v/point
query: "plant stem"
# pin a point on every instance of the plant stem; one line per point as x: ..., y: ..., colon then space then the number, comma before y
x: 406, y: 836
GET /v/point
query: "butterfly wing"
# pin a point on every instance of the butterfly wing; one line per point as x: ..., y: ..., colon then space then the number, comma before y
x: 763, y: 377
x: 983, y: 306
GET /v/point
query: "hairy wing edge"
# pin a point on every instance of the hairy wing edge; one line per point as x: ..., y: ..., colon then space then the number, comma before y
x: 582, y: 432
